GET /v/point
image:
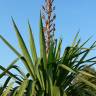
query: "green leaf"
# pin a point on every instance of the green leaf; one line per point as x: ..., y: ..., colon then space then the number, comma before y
x: 42, y: 43
x: 31, y: 91
x: 85, y: 54
x: 51, y: 54
x: 5, y: 85
x: 66, y: 68
x: 17, y: 53
x: 10, y: 46
x: 56, y: 91
x: 8, y: 90
x: 86, y: 73
x: 75, y: 39
x: 39, y: 77
x: 50, y: 85
x: 8, y: 68
x: 59, y: 49
x: 42, y: 79
x: 7, y: 72
x: 88, y: 82
x: 22, y: 88
x: 32, y: 45
x: 85, y: 42
x: 64, y: 94
x: 24, y: 49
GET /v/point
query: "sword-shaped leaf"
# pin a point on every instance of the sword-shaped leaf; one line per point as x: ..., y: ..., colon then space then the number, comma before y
x: 10, y: 46
x: 32, y: 45
x: 23, y: 48
x: 58, y: 49
x: 87, y: 82
x: 22, y: 88
x: 8, y: 90
x: 9, y: 73
x: 16, y: 52
x: 66, y: 68
x: 42, y: 43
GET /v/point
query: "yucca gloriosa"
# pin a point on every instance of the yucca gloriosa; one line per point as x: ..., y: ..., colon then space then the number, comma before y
x: 50, y: 74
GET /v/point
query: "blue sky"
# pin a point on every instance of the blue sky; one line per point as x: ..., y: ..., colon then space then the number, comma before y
x: 72, y: 15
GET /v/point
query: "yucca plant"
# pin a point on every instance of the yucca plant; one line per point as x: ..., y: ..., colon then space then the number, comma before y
x: 50, y: 74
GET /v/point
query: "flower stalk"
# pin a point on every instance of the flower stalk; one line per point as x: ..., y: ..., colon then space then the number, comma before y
x: 48, y: 17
